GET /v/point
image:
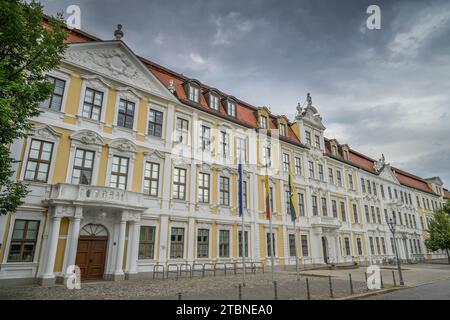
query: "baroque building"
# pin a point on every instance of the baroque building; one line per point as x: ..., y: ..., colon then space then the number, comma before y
x: 132, y: 165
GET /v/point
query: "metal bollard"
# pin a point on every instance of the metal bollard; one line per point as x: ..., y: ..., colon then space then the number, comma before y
x: 308, y: 295
x: 351, y: 283
x: 393, y: 278
x: 381, y: 280
x: 275, y: 289
x: 365, y: 275
x: 240, y: 292
x: 179, y: 295
x: 331, y: 286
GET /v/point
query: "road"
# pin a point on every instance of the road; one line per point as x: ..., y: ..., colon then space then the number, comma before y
x: 433, y: 291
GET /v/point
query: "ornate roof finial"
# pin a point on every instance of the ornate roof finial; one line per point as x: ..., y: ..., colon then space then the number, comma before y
x: 309, y: 99
x: 171, y: 86
x: 299, y: 111
x: 118, y: 34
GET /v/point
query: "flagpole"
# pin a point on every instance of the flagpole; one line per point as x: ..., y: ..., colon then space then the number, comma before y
x: 243, y: 249
x: 272, y: 247
x: 241, y: 212
x: 296, y: 250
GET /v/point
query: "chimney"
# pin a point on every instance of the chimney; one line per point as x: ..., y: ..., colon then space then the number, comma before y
x: 118, y: 34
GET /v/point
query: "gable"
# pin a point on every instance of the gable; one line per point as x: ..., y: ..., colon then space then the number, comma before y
x: 388, y: 174
x: 114, y: 60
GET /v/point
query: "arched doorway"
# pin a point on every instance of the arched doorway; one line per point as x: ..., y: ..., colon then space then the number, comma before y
x: 325, y: 249
x: 91, y: 251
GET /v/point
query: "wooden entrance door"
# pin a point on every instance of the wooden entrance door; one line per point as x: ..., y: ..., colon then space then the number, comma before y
x: 325, y: 249
x: 91, y: 255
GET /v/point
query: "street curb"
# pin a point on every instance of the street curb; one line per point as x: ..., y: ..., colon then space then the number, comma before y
x: 374, y: 293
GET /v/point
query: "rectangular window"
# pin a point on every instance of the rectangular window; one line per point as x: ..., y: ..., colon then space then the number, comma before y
x: 321, y: 176
x: 374, y: 188
x: 224, y: 191
x: 386, y: 219
x: 369, y: 187
x: 363, y: 185
x: 38, y: 163
x: 119, y: 172
x: 355, y: 213
x: 194, y: 93
x: 314, y: 206
x: 339, y: 178
x: 205, y: 138
x: 241, y: 146
x: 383, y: 245
x: 350, y: 181
x: 377, y: 241
x: 92, y: 104
x: 311, y: 169
x: 23, y: 241
x: 179, y: 184
x: 292, y: 245
x: 263, y: 122
x: 282, y: 130
x: 270, y: 244
x: 330, y: 175
x: 334, y: 208
x: 126, y: 114
x: 317, y: 141
x: 343, y: 214
x: 378, y: 215
x: 359, y: 245
x: 382, y: 191
x: 372, y: 248
x: 151, y: 178
x: 182, y: 130
x: 267, y: 156
x: 324, y: 207
x: 231, y: 108
x: 54, y: 102
x: 301, y: 205
x: 390, y: 193
x: 82, y: 167
x: 147, y: 242
x: 224, y: 143
x: 308, y: 137
x: 287, y: 195
x: 372, y: 210
x: 224, y: 243
x: 298, y: 166
x: 177, y: 243
x: 202, y: 243
x: 347, y: 246
x: 244, y: 195
x: 305, y: 251
x: 240, y: 243
x: 155, y: 123
x: 203, y: 187
x: 366, y: 210
x: 286, y: 162
x: 214, y: 102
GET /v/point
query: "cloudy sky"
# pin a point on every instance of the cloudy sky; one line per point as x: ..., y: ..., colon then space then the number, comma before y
x: 381, y: 91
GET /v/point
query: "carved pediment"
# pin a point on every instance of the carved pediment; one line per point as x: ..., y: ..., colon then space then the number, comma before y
x: 154, y: 155
x: 388, y: 174
x: 123, y: 145
x: 45, y: 132
x: 114, y: 60
x: 88, y: 137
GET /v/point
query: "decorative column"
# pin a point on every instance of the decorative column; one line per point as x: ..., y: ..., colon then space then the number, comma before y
x: 191, y: 240
x: 48, y: 277
x: 118, y: 273
x: 133, y: 250
x: 75, y: 222
x: 163, y: 225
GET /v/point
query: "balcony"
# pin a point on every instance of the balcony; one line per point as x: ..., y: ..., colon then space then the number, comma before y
x: 96, y: 195
x: 328, y: 222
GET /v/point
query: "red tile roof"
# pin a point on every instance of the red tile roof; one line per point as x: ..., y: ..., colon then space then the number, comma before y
x: 446, y: 194
x: 246, y: 115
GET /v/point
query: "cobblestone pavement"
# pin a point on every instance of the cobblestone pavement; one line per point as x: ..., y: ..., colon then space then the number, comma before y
x: 258, y: 287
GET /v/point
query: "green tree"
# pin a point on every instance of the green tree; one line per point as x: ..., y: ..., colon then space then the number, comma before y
x: 439, y: 230
x: 28, y: 49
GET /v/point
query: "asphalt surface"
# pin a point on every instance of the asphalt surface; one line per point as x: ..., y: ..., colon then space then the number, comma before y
x: 434, y: 291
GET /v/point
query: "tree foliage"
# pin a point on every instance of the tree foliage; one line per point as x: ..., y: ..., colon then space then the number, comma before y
x: 28, y: 49
x: 439, y: 230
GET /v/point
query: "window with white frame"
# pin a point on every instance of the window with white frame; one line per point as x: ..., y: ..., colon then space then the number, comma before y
x: 214, y: 102
x: 321, y: 175
x: 182, y: 130
x: 286, y: 161
x: 350, y: 181
x: 317, y: 140
x: 282, y: 129
x: 244, y: 195
x: 305, y: 248
x: 267, y: 156
x: 271, y: 244
x: 298, y: 166
x: 92, y: 104
x: 241, y: 148
x: 38, y: 163
x: 231, y: 109
x: 330, y: 175
x: 177, y: 243
x: 308, y: 137
x: 339, y: 178
x: 54, y: 102
x: 301, y: 205
x: 23, y: 241
x: 314, y: 205
x: 263, y: 122
x: 147, y: 242
x: 194, y: 93
x: 311, y: 169
x: 245, y: 243
x: 224, y: 190
x: 224, y: 143
x: 224, y: 243
x: 291, y: 239
x: 83, y: 165
x: 202, y: 243
x: 119, y: 172
x: 151, y: 178
x: 205, y: 138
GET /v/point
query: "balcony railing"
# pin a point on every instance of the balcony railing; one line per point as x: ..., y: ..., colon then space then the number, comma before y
x: 95, y: 194
x: 325, y: 221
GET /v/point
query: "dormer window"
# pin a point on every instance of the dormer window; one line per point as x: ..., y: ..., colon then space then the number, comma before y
x: 263, y: 123
x: 334, y: 151
x: 345, y: 155
x: 282, y: 129
x: 194, y: 92
x: 214, y: 102
x: 231, y: 109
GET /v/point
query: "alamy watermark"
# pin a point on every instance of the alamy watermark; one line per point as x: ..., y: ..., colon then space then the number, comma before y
x: 373, y: 277
x: 73, y: 280
x: 374, y: 20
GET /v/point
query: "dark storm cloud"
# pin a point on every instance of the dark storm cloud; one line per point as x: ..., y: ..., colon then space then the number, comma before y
x: 384, y: 91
